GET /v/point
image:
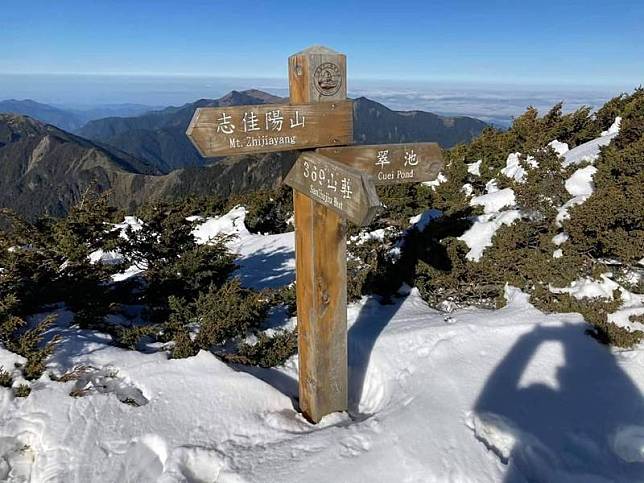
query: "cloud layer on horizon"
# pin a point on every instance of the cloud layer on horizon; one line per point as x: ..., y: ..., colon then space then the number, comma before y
x: 493, y: 103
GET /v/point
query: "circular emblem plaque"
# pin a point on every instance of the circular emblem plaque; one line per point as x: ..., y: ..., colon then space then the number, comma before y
x: 328, y: 79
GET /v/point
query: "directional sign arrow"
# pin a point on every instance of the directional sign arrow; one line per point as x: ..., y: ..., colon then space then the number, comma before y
x: 391, y: 163
x: 341, y: 188
x: 224, y: 131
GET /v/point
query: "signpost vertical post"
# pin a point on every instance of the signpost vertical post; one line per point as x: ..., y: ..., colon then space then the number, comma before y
x: 317, y: 75
x: 331, y: 185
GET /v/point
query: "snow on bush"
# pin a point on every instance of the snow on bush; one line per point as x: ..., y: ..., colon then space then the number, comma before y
x: 480, y: 235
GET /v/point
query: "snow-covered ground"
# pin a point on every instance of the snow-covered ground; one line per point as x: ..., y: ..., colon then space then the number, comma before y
x: 473, y: 396
x: 476, y: 396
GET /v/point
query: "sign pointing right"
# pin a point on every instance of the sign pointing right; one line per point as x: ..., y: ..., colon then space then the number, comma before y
x: 391, y: 163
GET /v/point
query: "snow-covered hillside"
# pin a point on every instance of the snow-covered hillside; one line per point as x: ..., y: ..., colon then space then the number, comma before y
x: 473, y: 395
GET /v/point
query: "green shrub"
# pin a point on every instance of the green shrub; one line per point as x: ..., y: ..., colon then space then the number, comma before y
x: 594, y: 311
x: 401, y: 202
x: 268, y: 351
x: 228, y: 312
x: 5, y: 378
x: 268, y: 211
x: 285, y: 296
x: 622, y: 105
x: 25, y: 342
x: 130, y: 337
x: 87, y: 227
x: 177, y: 328
x: 46, y: 261
x: 22, y: 390
x: 175, y: 265
x: 610, y: 224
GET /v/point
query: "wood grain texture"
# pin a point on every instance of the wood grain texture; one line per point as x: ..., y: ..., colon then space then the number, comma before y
x: 321, y: 273
x: 391, y: 163
x: 343, y: 189
x: 318, y: 74
x: 225, y: 131
x: 321, y: 288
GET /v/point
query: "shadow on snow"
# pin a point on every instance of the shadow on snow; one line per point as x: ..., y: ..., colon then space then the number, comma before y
x: 568, y: 431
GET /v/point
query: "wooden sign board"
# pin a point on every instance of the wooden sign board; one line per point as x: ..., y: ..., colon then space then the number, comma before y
x: 391, y: 163
x: 341, y: 188
x: 225, y: 131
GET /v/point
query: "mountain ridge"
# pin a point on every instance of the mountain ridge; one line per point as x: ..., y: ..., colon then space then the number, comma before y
x: 44, y: 169
x: 69, y: 119
x: 159, y: 136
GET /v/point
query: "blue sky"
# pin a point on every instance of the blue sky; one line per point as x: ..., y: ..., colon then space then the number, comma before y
x: 545, y: 42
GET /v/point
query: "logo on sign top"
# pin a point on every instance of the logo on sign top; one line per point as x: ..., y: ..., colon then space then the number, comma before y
x: 328, y: 79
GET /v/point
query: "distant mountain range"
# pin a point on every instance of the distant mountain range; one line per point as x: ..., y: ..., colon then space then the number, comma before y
x: 159, y: 137
x: 44, y: 169
x: 69, y: 119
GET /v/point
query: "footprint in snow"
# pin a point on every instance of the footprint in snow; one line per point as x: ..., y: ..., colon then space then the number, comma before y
x: 355, y: 445
x: 16, y: 460
x: 196, y: 464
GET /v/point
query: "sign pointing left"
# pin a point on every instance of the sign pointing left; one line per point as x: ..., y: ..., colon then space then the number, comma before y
x: 225, y: 131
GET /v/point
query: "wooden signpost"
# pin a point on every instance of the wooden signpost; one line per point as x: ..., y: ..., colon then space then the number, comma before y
x: 331, y: 185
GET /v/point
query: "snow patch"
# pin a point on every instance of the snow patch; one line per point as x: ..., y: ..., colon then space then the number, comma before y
x: 560, y: 238
x: 590, y: 288
x: 232, y: 223
x: 559, y: 147
x: 614, y: 128
x: 632, y: 303
x: 440, y: 179
x: 628, y: 443
x: 491, y: 186
x: 494, y: 201
x: 423, y: 219
x: 587, y: 152
x: 581, y: 182
x: 513, y: 168
x: 475, y: 168
x: 580, y: 185
x: 479, y: 236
